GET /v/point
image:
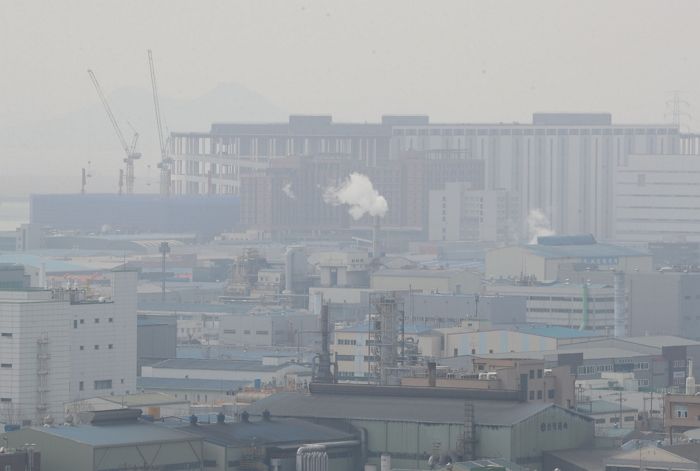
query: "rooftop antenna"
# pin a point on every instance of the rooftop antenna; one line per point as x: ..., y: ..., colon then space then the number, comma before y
x: 678, y: 109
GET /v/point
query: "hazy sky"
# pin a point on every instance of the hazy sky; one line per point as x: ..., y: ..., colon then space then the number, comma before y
x: 456, y: 60
x: 490, y: 60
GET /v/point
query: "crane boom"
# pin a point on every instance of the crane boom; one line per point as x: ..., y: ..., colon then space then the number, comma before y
x: 129, y: 150
x: 108, y: 109
x: 165, y: 160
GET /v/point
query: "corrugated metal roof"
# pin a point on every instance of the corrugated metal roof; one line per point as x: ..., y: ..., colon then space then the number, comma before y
x: 277, y: 431
x: 404, y: 409
x: 136, y: 433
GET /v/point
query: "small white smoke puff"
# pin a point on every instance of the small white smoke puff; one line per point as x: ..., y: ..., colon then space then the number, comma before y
x: 287, y: 189
x: 538, y: 225
x: 358, y: 193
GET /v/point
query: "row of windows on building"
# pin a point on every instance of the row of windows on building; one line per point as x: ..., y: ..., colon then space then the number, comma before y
x: 614, y: 420
x: 540, y: 394
x: 570, y: 311
x: 77, y: 322
x: 601, y: 299
x: 110, y: 346
x: 553, y: 426
x: 372, y: 358
x: 592, y: 369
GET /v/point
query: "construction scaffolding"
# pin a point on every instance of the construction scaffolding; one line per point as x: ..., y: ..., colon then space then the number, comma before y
x: 467, y: 439
x: 385, y: 329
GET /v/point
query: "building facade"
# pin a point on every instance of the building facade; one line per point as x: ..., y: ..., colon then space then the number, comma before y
x: 560, y: 164
x: 458, y: 213
x: 657, y: 199
x: 62, y: 346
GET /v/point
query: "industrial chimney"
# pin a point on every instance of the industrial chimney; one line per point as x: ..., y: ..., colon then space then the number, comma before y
x: 619, y: 307
x: 690, y: 380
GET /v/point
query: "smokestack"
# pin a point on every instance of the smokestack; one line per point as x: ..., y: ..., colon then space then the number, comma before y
x: 690, y: 380
x: 376, y: 246
x: 619, y: 307
x: 323, y: 372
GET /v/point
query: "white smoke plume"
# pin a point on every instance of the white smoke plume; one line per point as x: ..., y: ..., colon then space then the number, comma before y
x: 538, y: 225
x: 287, y: 189
x: 358, y: 193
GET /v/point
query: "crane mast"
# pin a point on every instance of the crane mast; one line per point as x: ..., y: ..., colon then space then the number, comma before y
x: 165, y: 161
x: 129, y: 150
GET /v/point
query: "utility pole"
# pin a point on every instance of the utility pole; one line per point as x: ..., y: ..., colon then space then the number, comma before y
x: 164, y: 249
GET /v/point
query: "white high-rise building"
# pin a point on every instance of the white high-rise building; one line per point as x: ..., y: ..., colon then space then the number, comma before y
x: 561, y: 165
x: 61, y: 346
x: 657, y: 199
x: 459, y: 213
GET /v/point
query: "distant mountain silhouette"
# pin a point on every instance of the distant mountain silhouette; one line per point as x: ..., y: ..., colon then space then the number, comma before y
x: 63, y: 145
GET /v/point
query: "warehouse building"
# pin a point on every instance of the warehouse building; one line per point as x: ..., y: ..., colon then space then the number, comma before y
x: 272, y: 443
x: 412, y: 429
x: 88, y: 213
x: 542, y: 261
x: 271, y: 370
x: 111, y: 440
x: 520, y: 157
x: 427, y: 281
x: 566, y: 304
x: 196, y: 391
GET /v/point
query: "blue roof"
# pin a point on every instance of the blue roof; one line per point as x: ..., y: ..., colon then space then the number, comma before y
x: 555, y: 331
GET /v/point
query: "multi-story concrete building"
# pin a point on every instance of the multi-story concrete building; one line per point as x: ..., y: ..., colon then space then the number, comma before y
x: 353, y: 352
x: 58, y: 346
x: 545, y: 259
x: 290, y: 194
x: 676, y: 294
x: 427, y: 281
x: 275, y: 328
x: 458, y: 212
x: 564, y: 304
x: 560, y: 164
x: 657, y: 199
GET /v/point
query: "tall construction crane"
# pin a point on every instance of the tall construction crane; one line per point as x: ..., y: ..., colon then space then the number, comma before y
x: 165, y: 160
x: 129, y: 149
